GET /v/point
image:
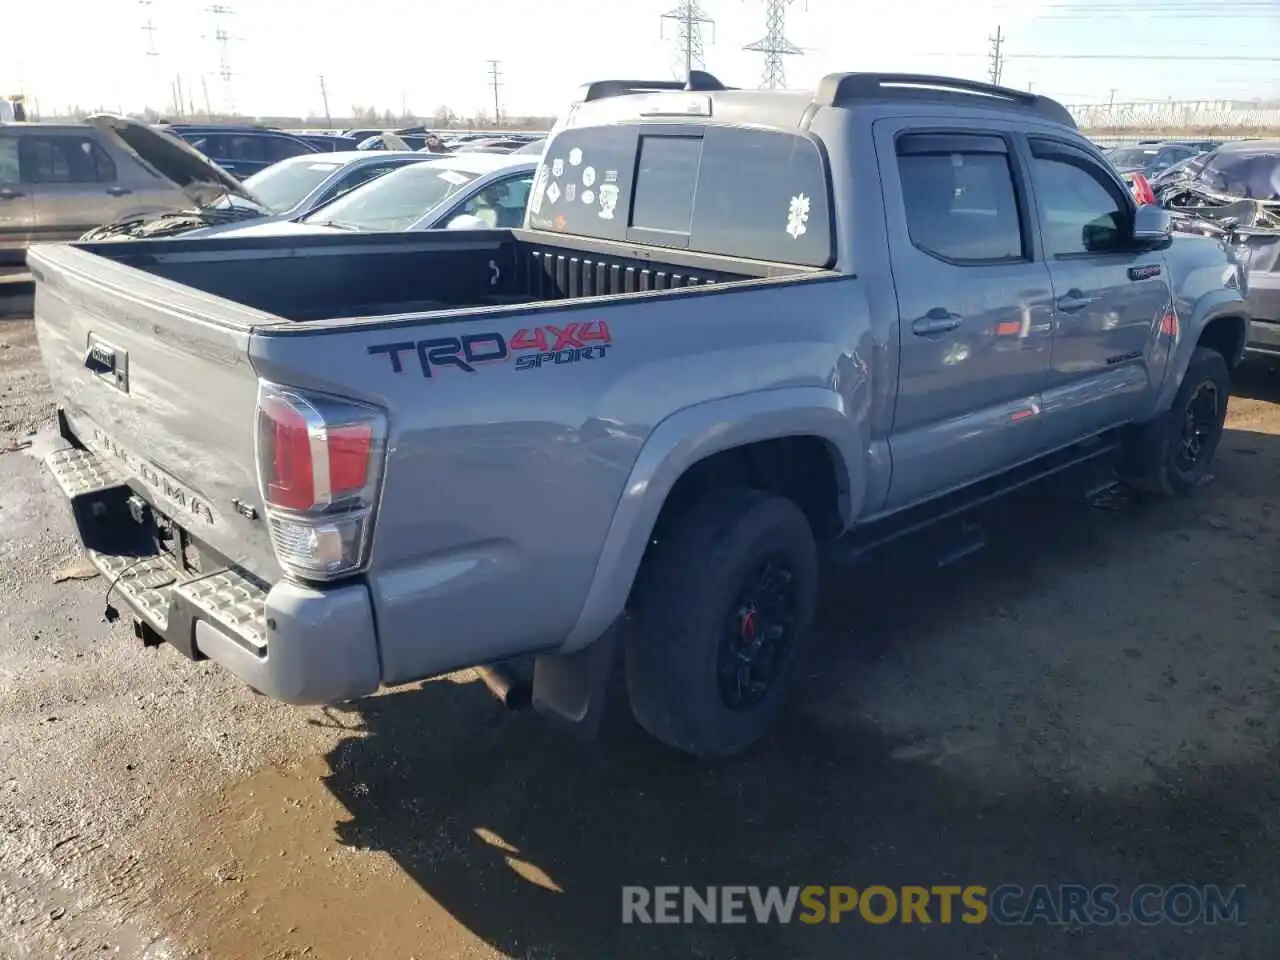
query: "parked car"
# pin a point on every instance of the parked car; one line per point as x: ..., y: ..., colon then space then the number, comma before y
x: 534, y: 147
x: 427, y: 195
x: 241, y: 150
x: 295, y: 187
x: 328, y: 142
x: 795, y: 324
x: 1233, y: 194
x: 59, y: 180
x: 1150, y: 159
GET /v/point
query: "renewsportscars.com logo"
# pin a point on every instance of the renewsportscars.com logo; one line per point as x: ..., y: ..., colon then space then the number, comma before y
x: 1008, y: 904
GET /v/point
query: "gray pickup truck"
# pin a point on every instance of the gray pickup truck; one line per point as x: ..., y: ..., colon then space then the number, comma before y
x: 739, y: 330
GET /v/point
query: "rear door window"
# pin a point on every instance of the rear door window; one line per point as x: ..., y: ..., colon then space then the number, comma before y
x: 63, y: 159
x: 730, y: 191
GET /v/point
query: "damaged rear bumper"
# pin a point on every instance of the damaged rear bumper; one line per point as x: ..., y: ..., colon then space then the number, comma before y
x: 289, y: 641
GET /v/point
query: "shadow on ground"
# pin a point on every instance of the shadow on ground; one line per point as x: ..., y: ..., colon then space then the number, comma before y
x: 526, y: 838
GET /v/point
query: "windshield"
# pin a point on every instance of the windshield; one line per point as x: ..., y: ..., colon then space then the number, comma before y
x: 1240, y: 174
x: 395, y: 201
x: 282, y: 186
x: 1132, y: 156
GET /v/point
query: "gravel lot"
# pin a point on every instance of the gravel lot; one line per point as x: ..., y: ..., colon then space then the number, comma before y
x: 1093, y: 699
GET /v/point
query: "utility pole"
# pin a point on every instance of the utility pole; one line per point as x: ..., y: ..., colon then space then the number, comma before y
x: 775, y: 45
x: 689, y: 18
x: 182, y: 106
x: 324, y: 96
x: 495, y: 80
x: 208, y: 104
x: 997, y: 56
x: 1111, y: 98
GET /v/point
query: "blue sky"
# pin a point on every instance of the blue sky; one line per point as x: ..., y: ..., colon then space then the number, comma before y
x: 424, y: 53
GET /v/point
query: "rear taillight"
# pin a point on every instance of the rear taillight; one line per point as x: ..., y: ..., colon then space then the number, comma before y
x: 319, y: 465
x: 1142, y: 192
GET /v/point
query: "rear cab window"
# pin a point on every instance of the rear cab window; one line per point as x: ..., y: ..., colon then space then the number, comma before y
x: 719, y: 190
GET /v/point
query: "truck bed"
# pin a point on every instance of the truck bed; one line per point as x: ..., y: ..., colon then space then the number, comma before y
x: 325, y: 277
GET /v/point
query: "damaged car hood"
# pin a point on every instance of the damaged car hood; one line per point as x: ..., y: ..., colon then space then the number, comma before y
x: 174, y: 160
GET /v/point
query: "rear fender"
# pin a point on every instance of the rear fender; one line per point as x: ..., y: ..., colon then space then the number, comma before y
x: 1212, y: 306
x: 691, y: 435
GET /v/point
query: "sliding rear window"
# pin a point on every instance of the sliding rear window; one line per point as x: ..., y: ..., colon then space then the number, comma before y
x: 729, y: 191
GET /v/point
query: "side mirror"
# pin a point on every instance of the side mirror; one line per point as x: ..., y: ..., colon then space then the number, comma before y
x: 466, y: 221
x: 1152, y: 225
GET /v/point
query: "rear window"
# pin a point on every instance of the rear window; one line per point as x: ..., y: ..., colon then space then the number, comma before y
x: 729, y: 191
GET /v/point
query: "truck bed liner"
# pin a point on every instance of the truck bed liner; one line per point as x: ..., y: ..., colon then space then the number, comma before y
x: 365, y: 275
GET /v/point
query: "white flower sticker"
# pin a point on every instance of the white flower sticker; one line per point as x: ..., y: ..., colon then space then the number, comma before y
x: 798, y: 216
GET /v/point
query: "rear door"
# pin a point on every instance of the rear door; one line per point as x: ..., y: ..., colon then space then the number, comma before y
x: 17, y: 212
x: 72, y: 181
x: 974, y: 302
x: 1108, y: 300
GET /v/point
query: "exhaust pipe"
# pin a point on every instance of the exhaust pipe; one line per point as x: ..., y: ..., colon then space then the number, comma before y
x: 513, y: 690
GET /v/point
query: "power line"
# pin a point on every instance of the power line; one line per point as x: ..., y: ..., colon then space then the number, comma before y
x: 689, y: 18
x: 775, y: 44
x: 495, y: 80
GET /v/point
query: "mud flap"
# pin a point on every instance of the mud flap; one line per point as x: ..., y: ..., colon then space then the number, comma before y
x: 583, y: 691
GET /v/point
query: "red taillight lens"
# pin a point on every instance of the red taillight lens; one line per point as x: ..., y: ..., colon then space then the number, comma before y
x: 350, y: 449
x: 1142, y: 191
x: 286, y: 440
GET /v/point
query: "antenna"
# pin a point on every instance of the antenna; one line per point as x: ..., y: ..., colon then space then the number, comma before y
x: 495, y: 80
x: 997, y: 57
x: 775, y: 45
x: 224, y: 39
x: 689, y: 18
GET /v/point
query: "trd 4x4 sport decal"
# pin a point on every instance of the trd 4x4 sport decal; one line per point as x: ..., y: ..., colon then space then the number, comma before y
x: 532, y: 348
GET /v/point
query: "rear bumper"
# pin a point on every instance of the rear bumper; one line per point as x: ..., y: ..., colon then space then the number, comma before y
x: 292, y: 642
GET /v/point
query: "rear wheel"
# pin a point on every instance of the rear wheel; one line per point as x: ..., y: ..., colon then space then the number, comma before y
x: 718, y: 615
x: 1171, y: 455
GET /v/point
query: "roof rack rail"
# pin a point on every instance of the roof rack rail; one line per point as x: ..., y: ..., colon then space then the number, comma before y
x: 841, y: 89
x: 603, y: 89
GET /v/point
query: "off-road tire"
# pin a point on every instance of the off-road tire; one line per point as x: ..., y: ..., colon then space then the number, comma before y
x: 1151, y: 460
x: 692, y: 581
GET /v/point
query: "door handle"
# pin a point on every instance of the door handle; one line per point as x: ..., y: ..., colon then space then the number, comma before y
x: 119, y: 191
x: 1074, y: 300
x: 936, y: 320
x: 8, y: 194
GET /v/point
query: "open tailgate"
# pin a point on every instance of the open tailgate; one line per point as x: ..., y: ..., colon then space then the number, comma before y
x: 154, y: 378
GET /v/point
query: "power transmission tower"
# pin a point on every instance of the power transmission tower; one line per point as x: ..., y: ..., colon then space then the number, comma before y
x: 689, y: 18
x: 149, y: 29
x: 775, y: 45
x: 997, y: 56
x: 495, y: 80
x: 220, y: 13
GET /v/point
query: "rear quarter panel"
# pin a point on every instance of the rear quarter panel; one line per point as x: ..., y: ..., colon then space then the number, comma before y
x: 502, y: 484
x: 1205, y: 278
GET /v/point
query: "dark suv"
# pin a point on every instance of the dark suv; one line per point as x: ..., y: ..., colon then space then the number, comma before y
x: 240, y: 150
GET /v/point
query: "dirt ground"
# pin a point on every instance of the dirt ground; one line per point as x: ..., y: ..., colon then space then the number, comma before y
x: 1092, y: 699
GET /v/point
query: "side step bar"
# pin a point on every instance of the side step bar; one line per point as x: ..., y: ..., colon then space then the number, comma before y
x: 875, y: 534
